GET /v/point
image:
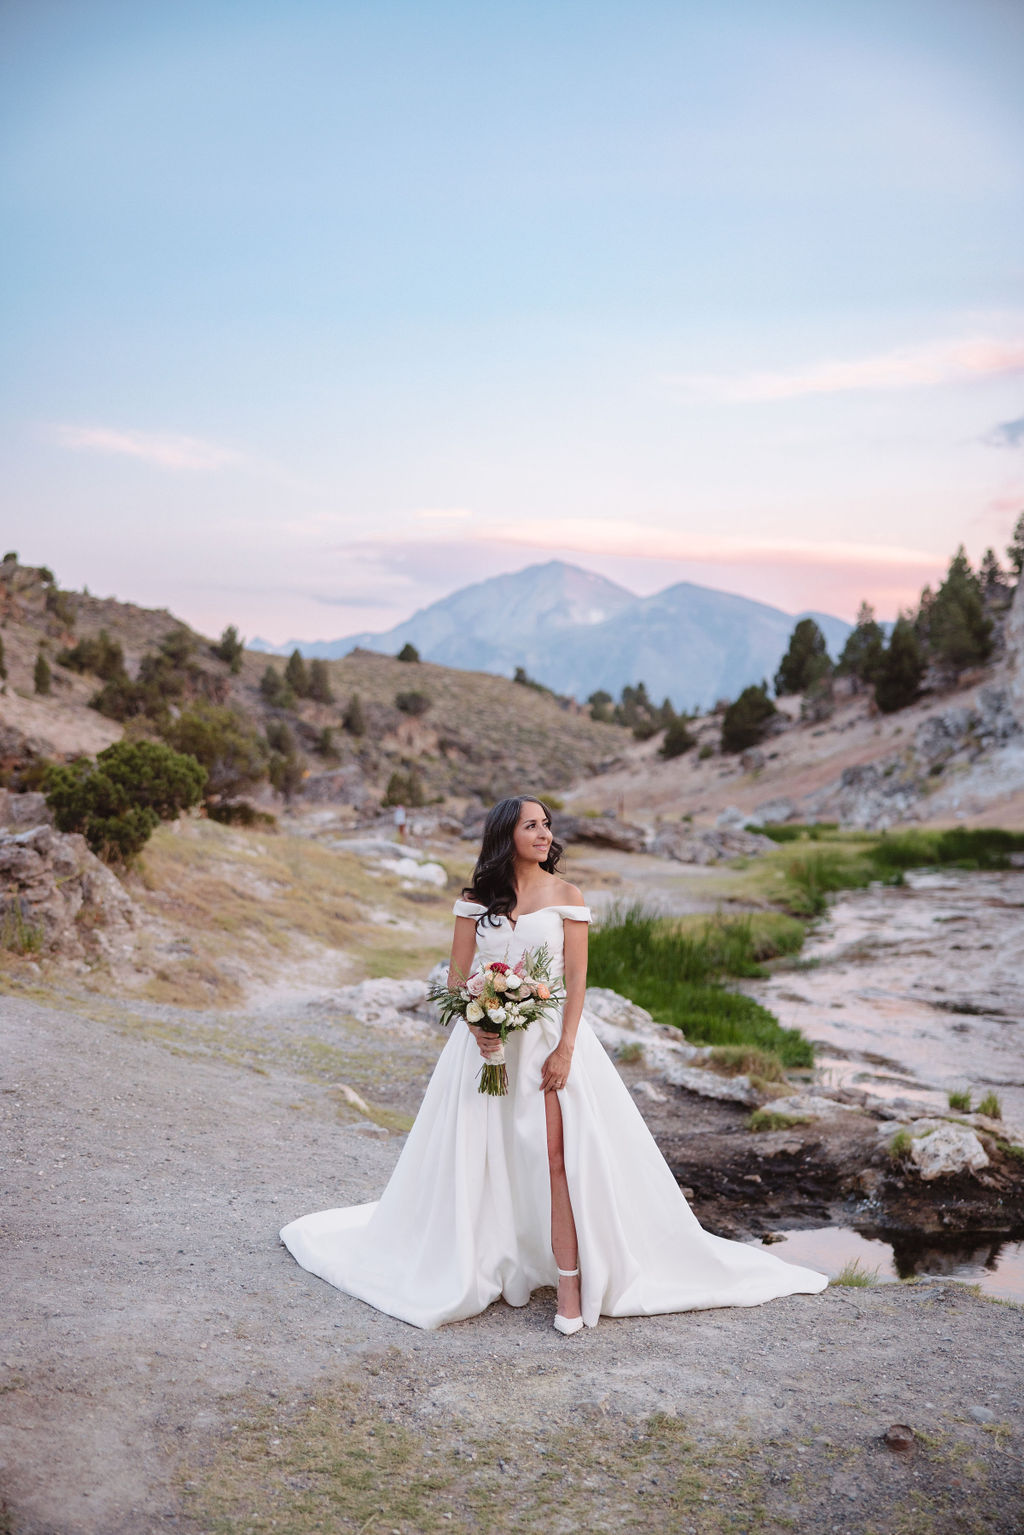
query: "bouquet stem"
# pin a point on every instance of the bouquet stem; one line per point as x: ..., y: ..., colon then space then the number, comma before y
x: 494, y: 1080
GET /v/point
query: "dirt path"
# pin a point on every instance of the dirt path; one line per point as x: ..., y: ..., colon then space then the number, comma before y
x: 166, y: 1365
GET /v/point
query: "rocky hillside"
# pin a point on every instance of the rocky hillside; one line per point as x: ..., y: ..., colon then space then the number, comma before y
x: 955, y: 756
x: 467, y: 734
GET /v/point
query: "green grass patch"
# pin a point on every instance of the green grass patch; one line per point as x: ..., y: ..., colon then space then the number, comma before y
x: 795, y: 831
x: 746, y: 1061
x: 675, y: 970
x: 899, y: 1146
x: 990, y: 1106
x: 984, y: 847
x: 768, y: 1119
x: 855, y: 1276
x: 960, y: 1100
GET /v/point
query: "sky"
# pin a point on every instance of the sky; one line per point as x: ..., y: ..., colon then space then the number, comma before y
x: 314, y: 313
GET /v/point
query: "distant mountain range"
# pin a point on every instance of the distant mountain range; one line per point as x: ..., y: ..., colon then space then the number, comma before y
x: 577, y: 632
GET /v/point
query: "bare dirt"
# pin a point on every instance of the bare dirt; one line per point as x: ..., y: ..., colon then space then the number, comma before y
x: 166, y: 1365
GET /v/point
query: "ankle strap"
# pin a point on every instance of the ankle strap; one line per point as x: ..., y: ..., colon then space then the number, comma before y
x: 568, y: 1273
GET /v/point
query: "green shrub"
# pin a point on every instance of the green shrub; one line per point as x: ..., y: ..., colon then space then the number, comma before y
x: 746, y: 721
x: 229, y: 648
x: 412, y: 703
x: 960, y: 1101
x: 296, y: 675
x: 706, y: 751
x: 899, y: 1146
x: 98, y: 654
x: 354, y: 718
x: 320, y: 682
x: 3, y: 664
x: 168, y: 676
x: 406, y: 788
x: 601, y: 708
x: 63, y: 606
x: 284, y: 768
x: 10, y: 558
x: 42, y: 677
x: 234, y: 756
x: 990, y: 1106
x: 408, y: 652
x: 118, y: 801
x: 678, y: 739
x: 275, y: 690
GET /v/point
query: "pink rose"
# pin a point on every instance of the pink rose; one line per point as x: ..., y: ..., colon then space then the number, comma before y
x: 475, y: 984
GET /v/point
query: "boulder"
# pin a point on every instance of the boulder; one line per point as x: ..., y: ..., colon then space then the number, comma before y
x: 19, y: 811
x: 939, y: 1149
x: 775, y: 812
x: 710, y: 1085
x: 58, y: 898
x: 603, y: 831
x: 396, y: 1007
x: 687, y: 844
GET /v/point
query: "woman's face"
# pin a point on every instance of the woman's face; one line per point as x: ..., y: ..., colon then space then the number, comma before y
x: 532, y: 836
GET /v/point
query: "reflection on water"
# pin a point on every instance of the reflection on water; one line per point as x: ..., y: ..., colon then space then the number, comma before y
x: 994, y: 1263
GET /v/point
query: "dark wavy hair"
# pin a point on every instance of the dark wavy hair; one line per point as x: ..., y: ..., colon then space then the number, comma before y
x: 492, y: 883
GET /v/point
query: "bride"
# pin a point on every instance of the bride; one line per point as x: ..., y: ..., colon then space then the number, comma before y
x: 559, y: 1181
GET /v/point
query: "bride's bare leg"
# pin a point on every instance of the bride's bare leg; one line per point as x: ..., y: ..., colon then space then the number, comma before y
x: 563, y: 1227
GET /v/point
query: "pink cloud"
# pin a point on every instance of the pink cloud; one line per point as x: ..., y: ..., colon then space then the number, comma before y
x: 941, y: 362
x: 165, y: 450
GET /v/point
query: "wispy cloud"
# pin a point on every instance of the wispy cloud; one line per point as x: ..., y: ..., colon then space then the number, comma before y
x: 940, y: 362
x: 1008, y: 434
x: 634, y: 540
x: 442, y: 513
x: 166, y: 450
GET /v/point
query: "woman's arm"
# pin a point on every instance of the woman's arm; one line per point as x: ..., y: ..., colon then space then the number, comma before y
x: 555, y: 1073
x: 463, y: 951
x: 459, y: 967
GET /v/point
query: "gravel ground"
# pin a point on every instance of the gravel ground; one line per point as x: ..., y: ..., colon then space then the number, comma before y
x: 164, y: 1358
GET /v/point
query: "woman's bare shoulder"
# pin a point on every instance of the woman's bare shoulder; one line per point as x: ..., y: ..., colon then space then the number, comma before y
x: 566, y: 894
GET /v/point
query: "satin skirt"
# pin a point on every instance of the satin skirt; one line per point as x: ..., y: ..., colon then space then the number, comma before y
x: 466, y: 1215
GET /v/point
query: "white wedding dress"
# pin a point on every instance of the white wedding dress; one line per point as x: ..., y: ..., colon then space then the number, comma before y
x: 466, y: 1215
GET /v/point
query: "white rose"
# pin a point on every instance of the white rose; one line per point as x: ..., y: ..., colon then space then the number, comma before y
x: 512, y: 981
x: 497, y: 1014
x: 474, y: 1012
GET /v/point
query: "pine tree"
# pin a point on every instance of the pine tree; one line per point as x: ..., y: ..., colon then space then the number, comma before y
x: 1015, y: 548
x: 862, y: 652
x: 320, y: 682
x: 408, y: 652
x: 959, y: 631
x: 354, y: 719
x: 42, y: 675
x: 744, y: 722
x: 296, y: 675
x: 806, y: 660
x: 900, y: 670
x: 230, y: 648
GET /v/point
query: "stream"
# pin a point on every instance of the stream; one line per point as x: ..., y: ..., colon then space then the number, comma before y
x: 912, y: 992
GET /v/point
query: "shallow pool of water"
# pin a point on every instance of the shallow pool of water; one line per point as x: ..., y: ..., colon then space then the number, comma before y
x: 997, y: 1265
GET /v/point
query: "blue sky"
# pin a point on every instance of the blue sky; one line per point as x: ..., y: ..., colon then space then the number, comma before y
x: 314, y: 312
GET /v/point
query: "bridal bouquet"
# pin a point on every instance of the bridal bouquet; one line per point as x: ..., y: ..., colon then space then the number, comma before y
x: 500, y: 998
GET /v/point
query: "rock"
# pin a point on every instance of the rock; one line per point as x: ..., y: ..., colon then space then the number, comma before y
x: 940, y: 1149
x: 732, y: 819
x: 687, y: 845
x: 620, y: 1023
x: 753, y: 759
x: 998, y: 723
x: 343, y: 786
x: 710, y: 1085
x: 20, y: 811
x: 774, y: 812
x: 399, y: 1007
x: 982, y: 1414
x: 899, y: 1437
x: 58, y: 896
x: 603, y: 831
x: 351, y: 1096
x: 653, y: 1094
x: 810, y: 1105
x: 421, y: 873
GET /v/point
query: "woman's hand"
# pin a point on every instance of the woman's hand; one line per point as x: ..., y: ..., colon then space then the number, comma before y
x: 489, y: 1043
x: 556, y: 1069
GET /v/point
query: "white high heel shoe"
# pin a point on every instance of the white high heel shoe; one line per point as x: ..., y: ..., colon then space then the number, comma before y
x: 568, y: 1324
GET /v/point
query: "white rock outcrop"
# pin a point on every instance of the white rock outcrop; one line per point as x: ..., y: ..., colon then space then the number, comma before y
x: 941, y: 1149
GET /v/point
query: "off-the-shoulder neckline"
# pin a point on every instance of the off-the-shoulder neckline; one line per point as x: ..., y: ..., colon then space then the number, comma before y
x: 554, y: 906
